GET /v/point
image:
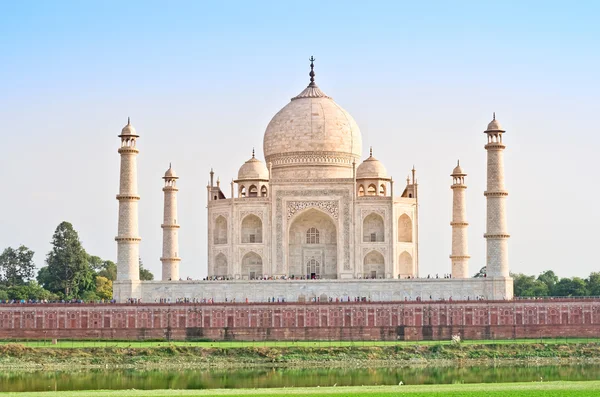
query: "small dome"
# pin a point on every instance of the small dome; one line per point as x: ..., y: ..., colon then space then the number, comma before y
x: 171, y: 173
x: 253, y: 169
x: 128, y: 129
x: 458, y: 171
x: 494, y: 125
x: 371, y: 168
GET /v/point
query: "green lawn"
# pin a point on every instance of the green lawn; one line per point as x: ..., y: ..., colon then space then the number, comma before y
x: 144, y: 344
x: 550, y: 389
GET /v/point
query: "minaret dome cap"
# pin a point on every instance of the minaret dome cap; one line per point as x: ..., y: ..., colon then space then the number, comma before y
x: 458, y: 171
x: 494, y: 125
x: 170, y: 174
x: 128, y: 130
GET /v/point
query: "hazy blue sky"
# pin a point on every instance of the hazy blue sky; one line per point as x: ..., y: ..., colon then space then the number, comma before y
x: 201, y: 81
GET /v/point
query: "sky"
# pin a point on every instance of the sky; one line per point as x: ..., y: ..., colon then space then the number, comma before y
x: 201, y: 81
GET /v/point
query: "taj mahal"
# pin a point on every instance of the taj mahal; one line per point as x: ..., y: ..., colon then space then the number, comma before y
x: 314, y: 221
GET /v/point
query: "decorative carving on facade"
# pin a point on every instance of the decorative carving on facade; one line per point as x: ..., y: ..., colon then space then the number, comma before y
x: 369, y: 211
x: 257, y: 212
x: 328, y: 206
x: 215, y: 215
x: 344, y: 199
x: 382, y: 250
x: 244, y: 251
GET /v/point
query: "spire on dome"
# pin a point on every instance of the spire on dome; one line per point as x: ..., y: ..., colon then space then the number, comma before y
x: 128, y: 121
x: 371, y: 151
x: 252, y: 152
x: 312, y: 71
x: 312, y: 91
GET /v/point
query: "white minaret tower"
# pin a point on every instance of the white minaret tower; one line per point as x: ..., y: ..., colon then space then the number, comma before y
x: 459, y: 256
x: 170, y: 259
x: 496, y: 231
x: 128, y: 240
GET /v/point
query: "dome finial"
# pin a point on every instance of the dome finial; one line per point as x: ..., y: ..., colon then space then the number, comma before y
x: 458, y: 162
x: 494, y: 115
x: 252, y: 152
x: 371, y: 151
x: 170, y: 165
x: 312, y: 71
x: 128, y: 121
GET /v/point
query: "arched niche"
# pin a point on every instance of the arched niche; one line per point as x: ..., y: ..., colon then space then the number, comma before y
x: 220, y: 267
x: 405, y: 264
x: 312, y: 235
x: 252, y: 266
x: 374, y: 265
x: 405, y: 231
x: 251, y: 229
x: 220, y: 230
x: 373, y: 228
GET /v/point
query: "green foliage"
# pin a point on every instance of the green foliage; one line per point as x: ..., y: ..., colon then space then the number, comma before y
x: 30, y: 291
x: 68, y: 269
x: 145, y: 274
x: 104, y: 288
x: 571, y: 287
x: 108, y: 270
x: 16, y: 266
x: 550, y: 279
x: 481, y: 273
x: 529, y: 286
x: 548, y: 284
x: 593, y: 284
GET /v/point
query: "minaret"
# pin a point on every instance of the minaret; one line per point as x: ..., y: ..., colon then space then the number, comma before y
x: 496, y: 231
x: 170, y: 259
x: 128, y: 240
x: 459, y: 257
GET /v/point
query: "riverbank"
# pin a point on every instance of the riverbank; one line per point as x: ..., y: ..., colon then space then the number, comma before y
x: 16, y: 356
x: 549, y: 389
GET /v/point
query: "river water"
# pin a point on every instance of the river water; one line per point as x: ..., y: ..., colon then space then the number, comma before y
x: 16, y: 381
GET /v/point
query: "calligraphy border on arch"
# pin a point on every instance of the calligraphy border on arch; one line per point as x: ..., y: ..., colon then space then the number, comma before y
x: 345, y: 198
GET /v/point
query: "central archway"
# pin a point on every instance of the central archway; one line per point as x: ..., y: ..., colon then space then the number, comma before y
x: 312, y: 239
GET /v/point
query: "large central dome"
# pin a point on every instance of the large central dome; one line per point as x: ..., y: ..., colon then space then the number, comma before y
x: 312, y: 137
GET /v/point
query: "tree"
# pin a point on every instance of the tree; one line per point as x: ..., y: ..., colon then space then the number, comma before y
x: 145, y: 274
x: 481, y: 273
x: 570, y: 287
x: 16, y: 266
x: 68, y: 269
x: 593, y: 284
x: 550, y: 279
x: 96, y: 263
x: 103, y: 288
x: 108, y: 270
x: 528, y: 286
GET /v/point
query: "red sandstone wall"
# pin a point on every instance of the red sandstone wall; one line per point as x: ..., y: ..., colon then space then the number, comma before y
x: 314, y: 321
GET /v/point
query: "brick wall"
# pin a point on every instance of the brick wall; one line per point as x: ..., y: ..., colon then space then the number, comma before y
x: 316, y: 321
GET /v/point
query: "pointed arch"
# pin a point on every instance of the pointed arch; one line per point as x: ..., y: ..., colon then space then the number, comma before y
x: 220, y: 230
x: 361, y: 191
x: 252, y: 191
x: 263, y: 191
x: 372, y: 190
x: 374, y: 265
x: 373, y: 228
x: 220, y: 268
x: 405, y: 264
x: 242, y: 191
x: 382, y: 189
x: 252, y: 265
x: 405, y: 232
x: 251, y: 230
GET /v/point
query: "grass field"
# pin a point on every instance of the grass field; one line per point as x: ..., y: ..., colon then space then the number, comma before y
x: 550, y: 389
x: 246, y: 344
